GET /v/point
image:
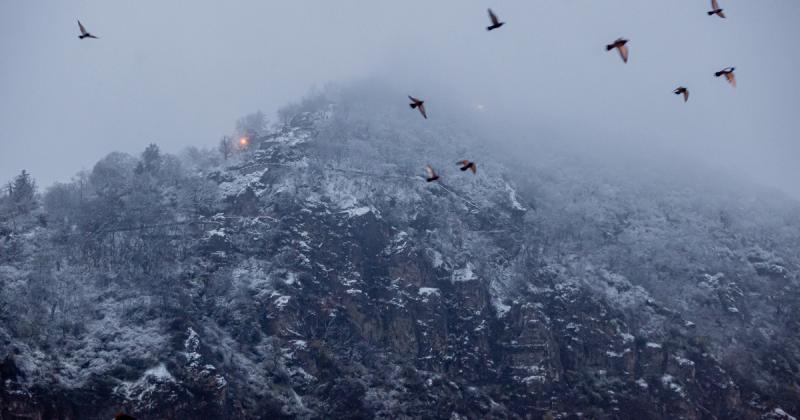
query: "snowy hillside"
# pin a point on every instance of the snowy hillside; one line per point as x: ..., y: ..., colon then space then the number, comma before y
x: 315, y: 274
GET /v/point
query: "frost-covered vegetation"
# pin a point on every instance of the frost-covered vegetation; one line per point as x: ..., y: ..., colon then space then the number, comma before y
x: 312, y: 272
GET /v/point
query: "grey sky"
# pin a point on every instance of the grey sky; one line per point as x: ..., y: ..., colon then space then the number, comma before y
x: 180, y: 73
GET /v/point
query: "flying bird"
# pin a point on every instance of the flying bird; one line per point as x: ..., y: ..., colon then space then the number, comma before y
x: 416, y: 103
x: 495, y: 22
x: 432, y: 176
x: 684, y: 91
x: 84, y: 32
x: 619, y: 44
x: 465, y: 164
x: 715, y: 10
x: 728, y: 73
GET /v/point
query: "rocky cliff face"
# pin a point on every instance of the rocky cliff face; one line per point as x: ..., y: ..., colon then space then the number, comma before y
x: 317, y: 275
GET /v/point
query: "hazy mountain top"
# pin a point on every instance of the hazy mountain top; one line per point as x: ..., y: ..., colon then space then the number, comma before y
x: 310, y: 271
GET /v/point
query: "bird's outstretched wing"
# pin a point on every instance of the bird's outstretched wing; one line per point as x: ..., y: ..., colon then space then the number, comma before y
x: 714, y: 5
x: 422, y: 111
x: 473, y: 168
x: 83, y: 30
x: 721, y: 14
x: 429, y: 170
x: 462, y: 162
x: 731, y: 78
x: 413, y: 99
x: 685, y: 95
x: 623, y: 52
x: 493, y: 17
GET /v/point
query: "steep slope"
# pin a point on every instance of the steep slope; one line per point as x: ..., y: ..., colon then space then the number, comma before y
x: 315, y: 274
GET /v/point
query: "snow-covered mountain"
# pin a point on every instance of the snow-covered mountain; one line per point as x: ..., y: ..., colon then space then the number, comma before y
x: 315, y: 274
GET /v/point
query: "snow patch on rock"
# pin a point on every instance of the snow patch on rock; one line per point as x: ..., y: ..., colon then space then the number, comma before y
x: 512, y: 196
x: 428, y: 291
x: 464, y: 274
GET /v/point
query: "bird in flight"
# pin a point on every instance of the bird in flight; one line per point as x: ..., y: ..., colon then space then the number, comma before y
x: 465, y: 164
x: 682, y: 90
x: 495, y: 22
x: 416, y: 103
x: 619, y: 44
x: 715, y: 10
x: 432, y: 176
x: 84, y: 32
x: 728, y: 73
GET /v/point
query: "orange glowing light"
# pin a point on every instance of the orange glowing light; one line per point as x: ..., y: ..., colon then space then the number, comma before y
x: 243, y: 141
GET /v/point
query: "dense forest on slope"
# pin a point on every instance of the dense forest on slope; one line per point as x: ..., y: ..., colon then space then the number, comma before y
x: 311, y: 272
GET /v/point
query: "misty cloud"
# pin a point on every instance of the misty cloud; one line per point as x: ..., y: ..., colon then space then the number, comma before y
x: 180, y: 75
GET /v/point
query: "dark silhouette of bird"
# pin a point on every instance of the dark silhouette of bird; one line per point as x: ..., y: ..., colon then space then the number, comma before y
x: 728, y: 73
x: 465, y: 164
x: 619, y: 44
x: 123, y: 416
x: 715, y: 10
x: 84, y: 32
x: 684, y: 91
x: 495, y: 22
x: 418, y: 104
x: 432, y: 176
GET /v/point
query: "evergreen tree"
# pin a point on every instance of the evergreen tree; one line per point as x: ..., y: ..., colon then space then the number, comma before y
x: 22, y: 193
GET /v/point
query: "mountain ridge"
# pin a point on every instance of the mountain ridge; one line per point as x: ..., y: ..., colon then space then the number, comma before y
x: 316, y: 274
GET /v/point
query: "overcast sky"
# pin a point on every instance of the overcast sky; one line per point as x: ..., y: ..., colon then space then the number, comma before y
x: 179, y: 73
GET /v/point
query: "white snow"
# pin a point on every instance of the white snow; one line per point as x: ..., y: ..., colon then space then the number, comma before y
x: 360, y: 211
x: 216, y: 232
x: 616, y: 287
x: 786, y: 416
x: 533, y: 378
x: 348, y: 282
x: 398, y: 244
x: 290, y: 279
x: 241, y: 183
x: 464, y: 274
x: 299, y: 344
x: 711, y: 281
x: 501, y: 308
x: 653, y: 345
x: 669, y: 381
x: 159, y: 372
x: 282, y: 301
x: 191, y: 344
x: 512, y: 195
x: 642, y: 383
x: 144, y: 388
x: 437, y: 259
x: 428, y: 291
